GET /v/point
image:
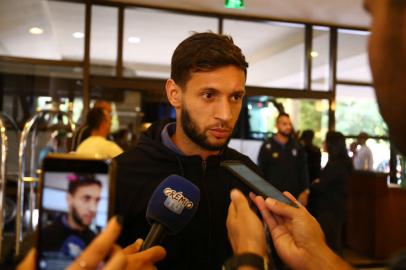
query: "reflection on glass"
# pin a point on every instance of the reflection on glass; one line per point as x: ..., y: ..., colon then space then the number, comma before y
x: 320, y: 58
x: 103, y: 43
x: 357, y: 111
x: 151, y: 36
x: 304, y: 113
x: 352, y: 58
x: 54, y: 21
x: 274, y: 51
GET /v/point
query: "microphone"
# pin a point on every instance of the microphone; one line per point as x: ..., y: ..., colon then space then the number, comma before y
x: 171, y: 207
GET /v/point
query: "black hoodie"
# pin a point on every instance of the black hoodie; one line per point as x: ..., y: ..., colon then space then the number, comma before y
x: 203, y: 243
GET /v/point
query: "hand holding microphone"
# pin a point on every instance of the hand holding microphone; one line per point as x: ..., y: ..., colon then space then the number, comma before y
x: 171, y: 207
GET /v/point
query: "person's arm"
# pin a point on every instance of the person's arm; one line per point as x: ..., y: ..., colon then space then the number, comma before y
x: 297, y: 237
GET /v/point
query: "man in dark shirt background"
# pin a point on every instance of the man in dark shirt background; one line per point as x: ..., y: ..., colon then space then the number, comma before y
x: 283, y: 160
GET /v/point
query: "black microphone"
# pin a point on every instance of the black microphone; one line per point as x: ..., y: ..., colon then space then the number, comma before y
x: 171, y: 207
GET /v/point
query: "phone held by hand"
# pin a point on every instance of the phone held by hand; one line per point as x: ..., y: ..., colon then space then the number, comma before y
x: 76, y: 201
x: 255, y: 182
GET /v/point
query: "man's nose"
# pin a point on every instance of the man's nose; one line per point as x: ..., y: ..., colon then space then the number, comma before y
x: 93, y: 206
x: 223, y: 110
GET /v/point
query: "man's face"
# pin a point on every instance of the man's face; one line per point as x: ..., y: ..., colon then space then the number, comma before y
x: 284, y: 126
x: 387, y: 56
x: 83, y: 204
x: 210, y: 105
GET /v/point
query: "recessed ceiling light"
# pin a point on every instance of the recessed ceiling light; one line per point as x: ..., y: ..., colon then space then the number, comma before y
x: 78, y: 35
x: 134, y: 40
x: 36, y: 30
x: 314, y: 54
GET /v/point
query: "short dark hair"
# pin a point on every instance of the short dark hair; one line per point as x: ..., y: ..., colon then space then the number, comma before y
x: 307, y: 135
x: 95, y: 118
x: 79, y: 180
x: 205, y: 52
x: 336, y: 146
x: 282, y: 114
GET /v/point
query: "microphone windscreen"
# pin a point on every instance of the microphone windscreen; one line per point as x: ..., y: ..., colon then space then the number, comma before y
x: 173, y: 203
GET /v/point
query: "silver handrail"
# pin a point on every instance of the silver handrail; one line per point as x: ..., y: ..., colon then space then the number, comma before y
x: 22, y: 177
x: 3, y: 179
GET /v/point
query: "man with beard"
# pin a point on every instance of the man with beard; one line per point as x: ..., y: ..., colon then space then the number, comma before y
x: 71, y: 233
x: 283, y: 161
x: 208, y: 74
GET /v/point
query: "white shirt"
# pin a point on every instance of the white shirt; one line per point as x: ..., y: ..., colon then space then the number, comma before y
x: 98, y: 146
x: 363, y: 159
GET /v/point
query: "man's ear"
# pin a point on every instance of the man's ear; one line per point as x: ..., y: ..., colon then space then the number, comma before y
x: 174, y: 93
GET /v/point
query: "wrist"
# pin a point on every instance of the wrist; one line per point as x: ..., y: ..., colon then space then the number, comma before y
x: 325, y: 258
x: 246, y: 261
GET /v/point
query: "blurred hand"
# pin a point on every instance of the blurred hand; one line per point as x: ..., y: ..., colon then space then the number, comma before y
x: 297, y: 237
x: 304, y: 197
x: 101, y: 246
x: 145, y: 259
x: 245, y: 230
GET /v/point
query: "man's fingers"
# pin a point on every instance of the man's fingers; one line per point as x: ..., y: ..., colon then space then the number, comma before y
x: 266, y: 215
x: 99, y: 247
x: 149, y: 256
x: 280, y: 208
x: 238, y: 199
x: 134, y: 247
x: 117, y: 261
x: 29, y: 261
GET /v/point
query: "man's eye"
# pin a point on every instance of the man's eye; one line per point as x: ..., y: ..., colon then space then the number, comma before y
x: 208, y: 95
x: 236, y: 97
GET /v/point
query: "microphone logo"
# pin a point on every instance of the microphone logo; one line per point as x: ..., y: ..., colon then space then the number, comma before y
x: 176, y: 201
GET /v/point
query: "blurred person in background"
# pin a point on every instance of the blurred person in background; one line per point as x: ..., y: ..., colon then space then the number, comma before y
x: 283, y: 160
x: 313, y: 154
x: 362, y: 156
x: 96, y: 145
x: 83, y: 132
x: 329, y: 192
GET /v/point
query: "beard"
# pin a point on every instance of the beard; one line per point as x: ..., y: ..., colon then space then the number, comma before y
x: 285, y: 134
x: 200, y: 138
x: 77, y: 218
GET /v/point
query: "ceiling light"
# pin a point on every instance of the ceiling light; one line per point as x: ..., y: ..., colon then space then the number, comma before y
x: 234, y: 4
x: 78, y: 35
x: 314, y: 54
x: 134, y: 40
x: 36, y: 30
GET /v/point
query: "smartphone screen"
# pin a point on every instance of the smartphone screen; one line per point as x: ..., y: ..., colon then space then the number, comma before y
x: 255, y: 182
x: 74, y: 208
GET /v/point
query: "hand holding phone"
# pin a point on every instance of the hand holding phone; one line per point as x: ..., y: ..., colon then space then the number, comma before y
x: 75, y: 204
x: 259, y: 185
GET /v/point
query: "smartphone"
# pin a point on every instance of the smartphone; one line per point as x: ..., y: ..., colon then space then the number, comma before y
x: 258, y: 184
x: 75, y: 203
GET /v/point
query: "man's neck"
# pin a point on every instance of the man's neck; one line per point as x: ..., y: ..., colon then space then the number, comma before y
x: 73, y: 225
x: 282, y: 139
x: 99, y: 133
x: 188, y: 147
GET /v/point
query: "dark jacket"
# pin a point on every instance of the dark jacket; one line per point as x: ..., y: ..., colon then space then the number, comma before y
x: 284, y: 166
x: 203, y: 243
x: 331, y: 192
x: 313, y: 161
